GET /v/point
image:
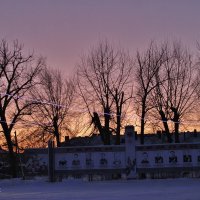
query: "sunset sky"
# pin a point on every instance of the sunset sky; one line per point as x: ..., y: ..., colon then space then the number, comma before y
x: 62, y: 30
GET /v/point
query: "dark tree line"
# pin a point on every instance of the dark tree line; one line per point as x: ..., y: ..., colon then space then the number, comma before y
x: 167, y: 85
x: 163, y: 83
x: 165, y: 79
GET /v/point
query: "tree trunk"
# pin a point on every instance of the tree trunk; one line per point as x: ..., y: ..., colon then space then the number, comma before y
x: 176, y: 131
x: 107, y: 126
x: 57, y: 139
x: 165, y: 124
x: 12, y: 158
x: 119, y: 103
x: 104, y: 131
x: 56, y: 131
x: 117, y: 142
x: 169, y: 138
x: 97, y: 123
x: 142, y: 126
x: 176, y: 124
x: 107, y: 136
x: 142, y: 119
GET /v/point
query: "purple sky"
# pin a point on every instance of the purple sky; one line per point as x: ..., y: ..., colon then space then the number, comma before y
x: 62, y: 30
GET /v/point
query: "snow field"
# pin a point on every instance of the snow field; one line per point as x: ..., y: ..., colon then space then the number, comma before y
x: 149, y: 189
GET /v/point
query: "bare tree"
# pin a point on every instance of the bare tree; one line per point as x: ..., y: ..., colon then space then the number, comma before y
x: 160, y: 103
x: 146, y: 67
x: 175, y: 95
x: 18, y: 74
x: 182, y: 83
x: 55, y: 97
x: 104, y: 78
x: 160, y: 95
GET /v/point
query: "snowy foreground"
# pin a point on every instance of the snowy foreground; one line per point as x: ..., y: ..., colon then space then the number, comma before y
x: 177, y: 189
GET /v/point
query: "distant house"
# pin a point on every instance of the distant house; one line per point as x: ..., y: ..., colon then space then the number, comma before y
x: 153, y: 138
x: 83, y: 141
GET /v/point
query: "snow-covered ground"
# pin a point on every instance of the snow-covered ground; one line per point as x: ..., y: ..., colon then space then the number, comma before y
x: 165, y: 189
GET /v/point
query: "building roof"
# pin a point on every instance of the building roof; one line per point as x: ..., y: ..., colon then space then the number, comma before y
x: 156, y: 138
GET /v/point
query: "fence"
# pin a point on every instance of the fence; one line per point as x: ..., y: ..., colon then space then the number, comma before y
x: 101, y: 160
x: 169, y: 159
x: 129, y: 159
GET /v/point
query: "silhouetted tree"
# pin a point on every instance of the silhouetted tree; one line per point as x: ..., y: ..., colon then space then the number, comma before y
x: 175, y: 96
x: 160, y: 96
x: 103, y: 85
x: 18, y: 74
x: 146, y: 67
x: 55, y: 97
x: 181, y: 83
